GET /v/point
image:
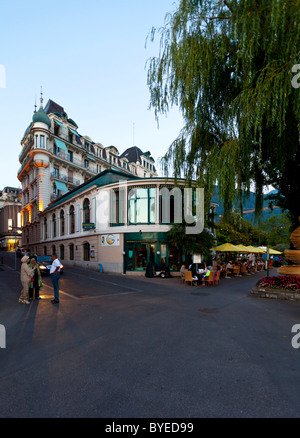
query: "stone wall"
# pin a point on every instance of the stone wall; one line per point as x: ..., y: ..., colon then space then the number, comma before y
x: 278, y: 294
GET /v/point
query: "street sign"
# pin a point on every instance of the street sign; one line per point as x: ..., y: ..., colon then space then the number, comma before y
x: 88, y: 226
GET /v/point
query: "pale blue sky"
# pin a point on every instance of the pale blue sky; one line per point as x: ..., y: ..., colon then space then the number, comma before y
x: 90, y: 57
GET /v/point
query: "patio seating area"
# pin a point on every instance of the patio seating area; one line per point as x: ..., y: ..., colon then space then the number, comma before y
x: 249, y: 261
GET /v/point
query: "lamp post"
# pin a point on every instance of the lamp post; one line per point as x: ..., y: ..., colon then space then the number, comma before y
x: 124, y: 260
x: 268, y: 258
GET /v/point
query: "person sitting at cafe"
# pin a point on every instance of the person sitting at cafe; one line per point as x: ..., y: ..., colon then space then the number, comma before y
x: 192, y: 268
x: 218, y: 268
x: 206, y: 274
x: 230, y: 267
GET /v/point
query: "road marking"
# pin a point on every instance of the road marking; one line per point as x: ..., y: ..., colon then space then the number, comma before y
x: 62, y: 292
x: 108, y: 282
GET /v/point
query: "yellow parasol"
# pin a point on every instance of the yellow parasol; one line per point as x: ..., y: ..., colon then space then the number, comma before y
x: 273, y: 251
x: 226, y: 247
x: 256, y: 250
x: 243, y: 248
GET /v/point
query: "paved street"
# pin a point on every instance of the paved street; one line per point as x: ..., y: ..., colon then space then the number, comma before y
x: 131, y: 347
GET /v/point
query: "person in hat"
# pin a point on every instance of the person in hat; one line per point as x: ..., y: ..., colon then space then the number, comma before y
x: 36, y: 280
x: 26, y: 276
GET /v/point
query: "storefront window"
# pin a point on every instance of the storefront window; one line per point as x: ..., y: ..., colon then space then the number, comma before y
x: 174, y: 258
x: 141, y: 256
x: 130, y: 262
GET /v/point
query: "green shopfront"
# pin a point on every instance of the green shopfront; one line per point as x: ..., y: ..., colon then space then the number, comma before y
x: 142, y: 248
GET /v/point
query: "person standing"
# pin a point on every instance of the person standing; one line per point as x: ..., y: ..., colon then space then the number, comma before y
x: 55, y: 276
x: 26, y: 275
x: 36, y: 281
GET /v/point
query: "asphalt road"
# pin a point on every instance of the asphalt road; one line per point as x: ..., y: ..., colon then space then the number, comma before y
x: 131, y: 347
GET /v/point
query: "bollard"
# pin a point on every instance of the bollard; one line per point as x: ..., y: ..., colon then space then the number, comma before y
x: 101, y: 268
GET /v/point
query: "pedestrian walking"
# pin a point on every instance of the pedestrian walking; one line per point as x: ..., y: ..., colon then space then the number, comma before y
x: 55, y: 276
x: 36, y: 281
x: 26, y: 275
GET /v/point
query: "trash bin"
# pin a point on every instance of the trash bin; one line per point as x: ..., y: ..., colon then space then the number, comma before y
x: 101, y: 268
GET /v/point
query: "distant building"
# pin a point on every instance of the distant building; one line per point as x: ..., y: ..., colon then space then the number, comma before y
x: 10, y: 218
x: 56, y: 158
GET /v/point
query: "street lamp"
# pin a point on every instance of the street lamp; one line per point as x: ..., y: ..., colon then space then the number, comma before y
x: 124, y: 260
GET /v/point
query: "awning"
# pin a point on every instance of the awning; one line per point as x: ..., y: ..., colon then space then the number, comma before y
x: 226, y: 247
x: 59, y: 123
x: 61, y: 186
x: 243, y: 249
x: 255, y: 250
x: 91, y: 158
x: 74, y: 132
x: 60, y: 144
x: 273, y: 251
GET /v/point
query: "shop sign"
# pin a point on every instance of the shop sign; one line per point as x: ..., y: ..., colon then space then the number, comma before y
x: 110, y: 240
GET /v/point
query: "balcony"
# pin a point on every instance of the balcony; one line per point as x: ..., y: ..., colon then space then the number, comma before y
x: 26, y: 147
x: 60, y: 154
x: 65, y: 178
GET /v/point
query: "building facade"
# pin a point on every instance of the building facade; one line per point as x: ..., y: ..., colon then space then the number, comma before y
x: 114, y: 219
x: 56, y: 158
x: 10, y: 218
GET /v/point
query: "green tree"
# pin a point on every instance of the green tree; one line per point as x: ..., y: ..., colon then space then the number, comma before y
x: 227, y: 65
x: 277, y: 228
x: 236, y: 230
x: 191, y: 243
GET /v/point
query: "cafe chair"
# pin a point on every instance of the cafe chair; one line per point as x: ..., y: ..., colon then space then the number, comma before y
x: 188, y: 278
x: 210, y: 279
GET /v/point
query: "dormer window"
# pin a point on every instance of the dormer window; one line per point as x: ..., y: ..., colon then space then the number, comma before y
x: 70, y: 137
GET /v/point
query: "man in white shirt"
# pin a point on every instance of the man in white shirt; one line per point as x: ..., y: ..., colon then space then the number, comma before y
x: 55, y: 276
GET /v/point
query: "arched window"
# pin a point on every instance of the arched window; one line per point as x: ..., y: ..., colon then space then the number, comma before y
x: 86, y: 211
x: 53, y: 225
x: 86, y: 252
x: 72, y: 219
x: 62, y: 223
x: 71, y: 251
x: 62, y: 252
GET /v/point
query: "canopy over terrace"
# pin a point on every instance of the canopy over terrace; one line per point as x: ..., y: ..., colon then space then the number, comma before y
x: 226, y: 247
x: 256, y: 250
x: 273, y: 251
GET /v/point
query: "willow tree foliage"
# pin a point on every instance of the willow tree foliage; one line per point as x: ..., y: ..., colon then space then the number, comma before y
x: 227, y: 65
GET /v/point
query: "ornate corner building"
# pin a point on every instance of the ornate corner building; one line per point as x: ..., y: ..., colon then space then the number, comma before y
x: 56, y: 159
